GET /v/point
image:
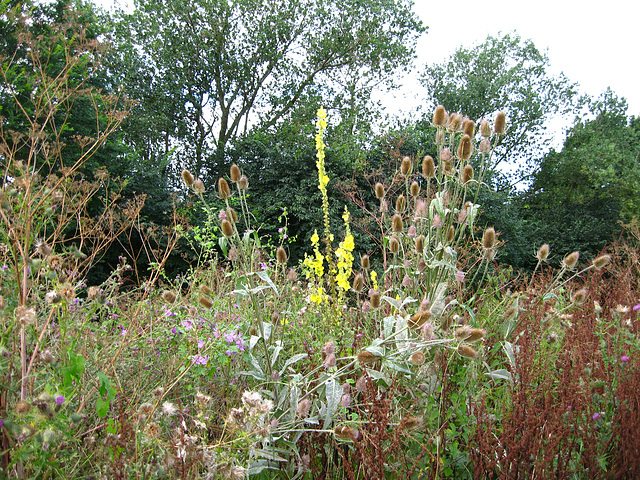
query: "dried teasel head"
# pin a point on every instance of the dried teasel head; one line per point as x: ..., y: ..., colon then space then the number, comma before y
x: 346, y: 433
x: 364, y: 262
x: 223, y: 188
x: 465, y: 147
x: 485, y: 129
x: 198, y: 187
x: 396, y: 223
x: 489, y: 238
x: 467, y: 352
x: 571, y: 260
x: 415, y: 189
x: 168, y: 296
x: 205, y: 289
x: 394, y: 244
x: 406, y: 166
x: 281, y: 256
x: 205, y: 302
x: 235, y: 173
x: 418, y: 358
x: 543, y: 252
x: 419, y: 319
x: 428, y: 167
x: 365, y: 357
x: 374, y: 298
x: 358, y: 283
x: 401, y: 203
x: 243, y: 183
x: 440, y: 116
x: 467, y: 174
x: 500, y: 124
x: 379, y: 189
x: 455, y: 122
x: 469, y: 127
x: 420, y: 239
x: 602, y: 261
x: 579, y: 297
x: 227, y: 228
x: 187, y: 178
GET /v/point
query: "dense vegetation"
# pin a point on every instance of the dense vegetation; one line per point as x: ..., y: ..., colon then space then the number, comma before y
x: 205, y: 274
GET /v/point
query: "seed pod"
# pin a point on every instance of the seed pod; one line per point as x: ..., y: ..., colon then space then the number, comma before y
x: 227, y: 228
x: 489, y: 238
x: 428, y: 167
x: 235, y: 173
x: 485, y: 129
x: 401, y: 203
x: 469, y: 127
x: 467, y: 174
x: 365, y: 357
x: 571, y: 260
x: 187, y: 178
x: 358, y: 283
x: 420, y: 239
x: 394, y: 244
x: 467, y: 352
x: 281, y: 256
x: 415, y: 189
x: 465, y: 148
x: 168, y: 296
x: 440, y: 116
x: 198, y: 186
x: 379, y: 189
x: 543, y: 252
x: 406, y: 166
x: 418, y: 358
x: 223, y: 188
x: 364, y: 262
x: 601, y: 261
x: 396, y: 223
x: 500, y: 124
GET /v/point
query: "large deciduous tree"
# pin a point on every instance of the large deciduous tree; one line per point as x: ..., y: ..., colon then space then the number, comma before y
x: 205, y: 71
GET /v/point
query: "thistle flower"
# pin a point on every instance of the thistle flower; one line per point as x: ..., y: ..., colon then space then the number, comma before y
x: 396, y: 223
x: 406, y: 166
x: 465, y: 147
x: 223, y: 188
x: 602, y: 261
x: 52, y: 297
x: 394, y: 244
x: 543, y: 252
x: 158, y: 392
x: 467, y: 174
x: 25, y: 315
x: 281, y: 256
x: 428, y: 167
x: 22, y: 407
x: 467, y: 352
x: 187, y: 178
x: 227, y: 228
x: 571, y: 260
x: 379, y: 189
x: 235, y: 173
x: 328, y: 349
x: 365, y: 357
x: 440, y: 116
x: 500, y: 124
x: 145, y: 408
x: 489, y: 238
x: 168, y: 296
x: 415, y: 189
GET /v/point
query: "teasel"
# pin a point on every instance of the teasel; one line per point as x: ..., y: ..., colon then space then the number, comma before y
x: 396, y: 223
x: 440, y: 137
x: 543, y: 252
x: 500, y: 124
x: 420, y: 239
x: 394, y: 244
x: 469, y: 127
x: 465, y: 147
x: 411, y: 423
x: 579, y: 297
x: 379, y: 189
x: 198, y: 187
x: 467, y: 352
x: 415, y: 189
x: 227, y: 228
x: 489, y: 238
x: 235, y: 173
x: 571, y: 260
x: 476, y: 334
x: 417, y: 358
x: 602, y: 261
x: 168, y: 296
x: 510, y: 314
x: 281, y: 256
x: 462, y: 333
x: 440, y: 116
x: 232, y: 215
x: 485, y: 146
x: 401, y: 203
x: 467, y: 174
x: 428, y: 167
x: 419, y: 319
x: 485, y: 129
x: 243, y: 183
x: 206, y: 302
x: 365, y: 357
x: 406, y: 166
x: 455, y: 121
x: 451, y: 233
x: 223, y: 188
x: 205, y: 289
x: 364, y: 262
x: 346, y: 433
x: 358, y: 283
x: 187, y: 178
x: 445, y: 155
x: 374, y: 298
x: 304, y: 407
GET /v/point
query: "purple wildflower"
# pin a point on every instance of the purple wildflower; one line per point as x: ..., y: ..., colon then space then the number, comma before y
x: 596, y: 415
x: 59, y: 400
x: 624, y: 358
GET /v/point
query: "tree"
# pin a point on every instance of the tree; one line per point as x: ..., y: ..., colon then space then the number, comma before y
x: 206, y: 71
x: 503, y: 73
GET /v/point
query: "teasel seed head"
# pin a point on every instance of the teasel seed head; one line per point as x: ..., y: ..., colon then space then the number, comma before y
x: 198, y: 187
x: 511, y: 314
x: 489, y: 238
x: 206, y: 302
x: 440, y: 116
x: 445, y: 155
x: 406, y: 166
x: 415, y: 189
x: 428, y: 167
x: 465, y: 148
x: 579, y: 297
x: 451, y: 233
x: 168, y: 296
x: 411, y: 423
x: 304, y: 407
x: 396, y: 223
x: 187, y: 178
x: 467, y: 352
x: 227, y: 228
x: 364, y: 262
x: 394, y: 244
x: 469, y: 127
x: 476, y: 334
x: 571, y: 260
x: 401, y: 203
x: 223, y: 188
x: 379, y: 189
x: 602, y: 261
x: 485, y: 129
x: 358, y: 283
x: 374, y: 298
x: 281, y: 256
x: 243, y: 183
x: 440, y: 137
x: 467, y: 174
x: 420, y: 239
x: 419, y: 319
x: 205, y: 289
x: 462, y: 333
x: 500, y: 124
x: 418, y: 358
x: 365, y: 357
x: 346, y: 433
x: 22, y: 407
x: 235, y: 173
x: 455, y: 122
x: 543, y: 252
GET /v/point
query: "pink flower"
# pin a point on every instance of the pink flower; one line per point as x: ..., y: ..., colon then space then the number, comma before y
x: 596, y: 416
x: 624, y: 358
x: 636, y: 307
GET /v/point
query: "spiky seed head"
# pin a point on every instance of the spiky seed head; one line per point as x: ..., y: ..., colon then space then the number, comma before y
x: 418, y: 358
x: 469, y: 127
x: 467, y: 174
x: 462, y: 333
x: 476, y: 334
x: 235, y: 173
x: 187, y: 178
x: 543, y: 252
x: 232, y: 215
x: 205, y: 289
x: 419, y: 319
x: 440, y: 116
x: 281, y: 256
x: 415, y: 189
x: 489, y: 238
x: 346, y: 433
x: 394, y: 244
x: 223, y: 188
x: 411, y: 423
x: 304, y: 407
x: 485, y: 129
x: 365, y: 262
x: 446, y: 155
x: 198, y: 187
x: 511, y: 314
x: 227, y: 228
x: 571, y: 260
x: 428, y: 167
x: 243, y: 183
x: 406, y: 166
x: 420, y: 239
x: 25, y: 315
x: 22, y: 407
x: 168, y: 296
x: 401, y: 203
x: 467, y: 352
x: 206, y: 302
x: 465, y: 148
x: 485, y: 145
x: 451, y: 233
x: 358, y: 283
x: 579, y: 297
x: 455, y: 122
x: 374, y: 298
x: 500, y: 124
x: 396, y: 223
x: 602, y: 261
x: 365, y: 357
